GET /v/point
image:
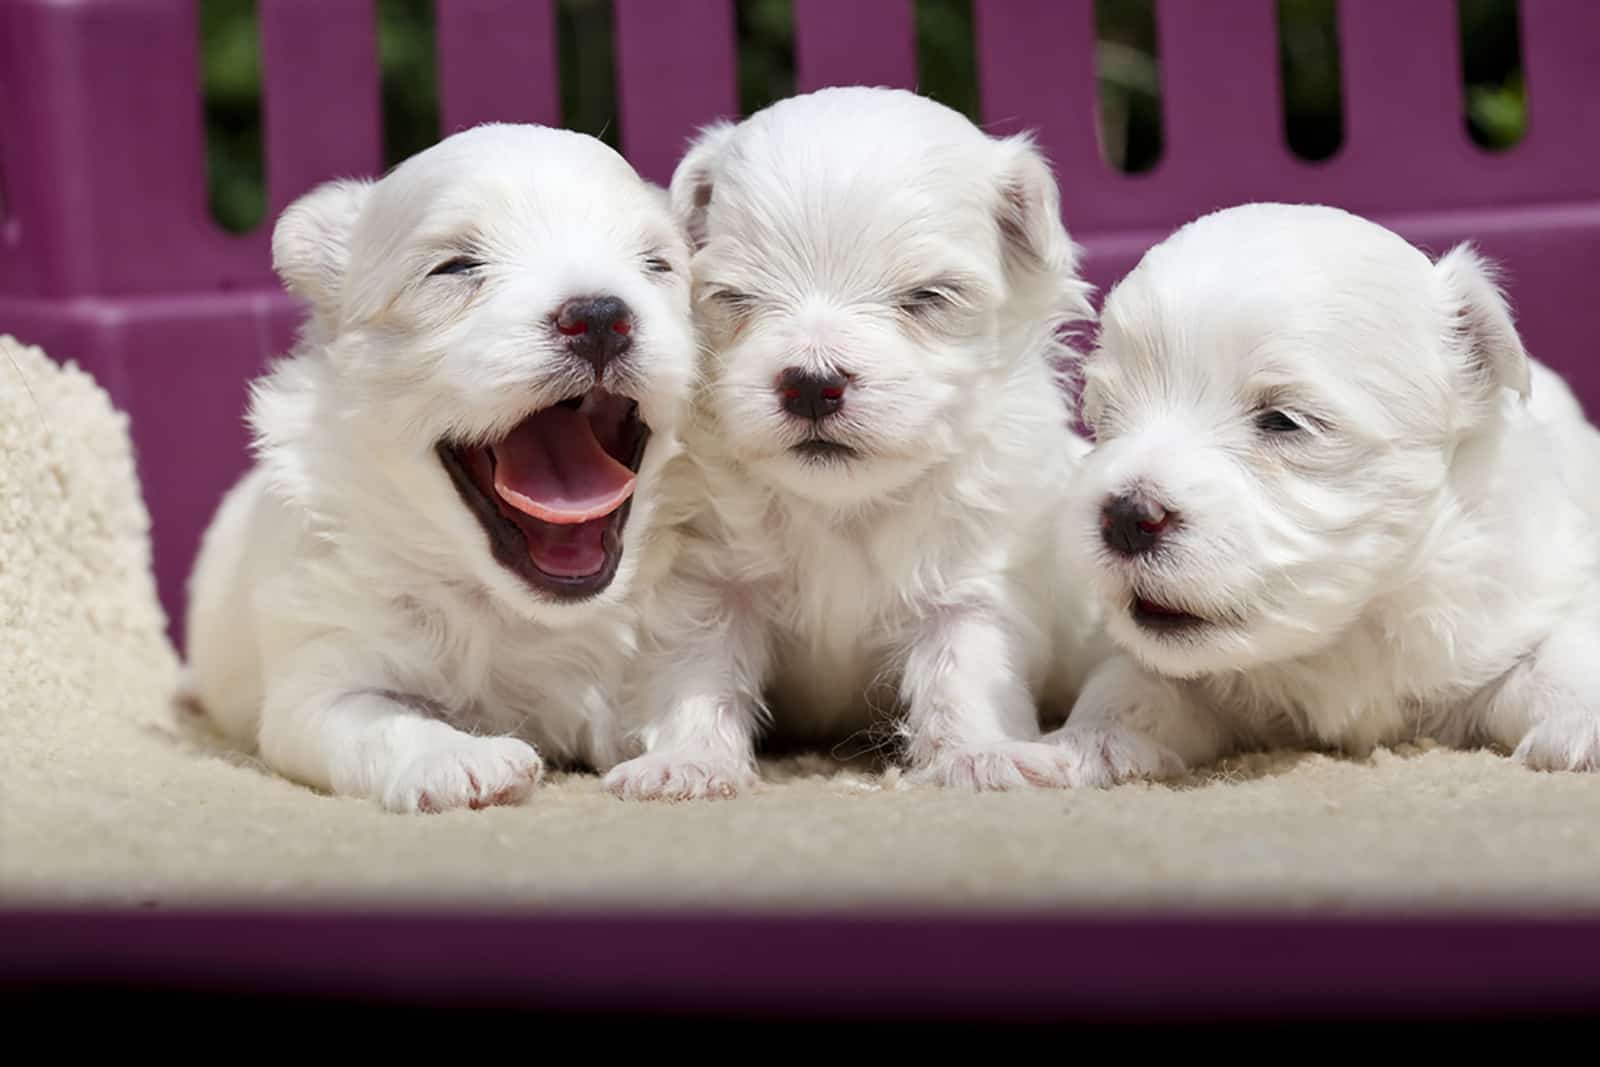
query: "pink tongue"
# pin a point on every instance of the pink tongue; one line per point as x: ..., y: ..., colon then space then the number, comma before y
x: 552, y: 468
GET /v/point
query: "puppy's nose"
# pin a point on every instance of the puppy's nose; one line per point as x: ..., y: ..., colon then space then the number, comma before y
x: 597, y: 328
x: 809, y: 395
x: 1132, y: 524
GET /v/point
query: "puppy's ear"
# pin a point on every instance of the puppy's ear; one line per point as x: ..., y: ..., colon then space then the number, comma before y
x: 1039, y: 256
x: 1495, y: 358
x: 694, y: 182
x: 311, y: 242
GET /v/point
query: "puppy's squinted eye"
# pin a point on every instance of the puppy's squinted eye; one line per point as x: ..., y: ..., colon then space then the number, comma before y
x: 657, y: 265
x: 923, y: 299
x: 731, y: 300
x: 456, y: 265
x: 1274, y: 421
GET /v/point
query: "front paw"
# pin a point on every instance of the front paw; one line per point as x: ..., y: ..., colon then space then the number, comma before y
x: 465, y: 772
x: 997, y: 766
x: 680, y: 776
x: 1101, y: 756
x: 1564, y: 742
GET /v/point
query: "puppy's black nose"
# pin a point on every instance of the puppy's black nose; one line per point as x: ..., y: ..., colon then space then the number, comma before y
x: 1131, y: 524
x: 810, y: 395
x: 597, y: 328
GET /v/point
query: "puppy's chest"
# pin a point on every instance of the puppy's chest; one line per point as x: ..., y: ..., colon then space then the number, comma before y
x: 1363, y: 695
x: 553, y: 688
x: 839, y: 620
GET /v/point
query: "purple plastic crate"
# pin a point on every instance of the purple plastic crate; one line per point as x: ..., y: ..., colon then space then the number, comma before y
x: 108, y: 255
x: 1035, y: 969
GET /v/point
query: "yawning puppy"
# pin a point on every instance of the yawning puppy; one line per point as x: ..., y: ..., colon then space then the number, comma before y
x: 431, y: 569
x: 1332, y: 501
x: 880, y: 453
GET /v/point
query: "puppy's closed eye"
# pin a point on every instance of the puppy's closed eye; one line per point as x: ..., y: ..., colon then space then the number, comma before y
x: 1276, y: 421
x: 658, y: 265
x: 732, y: 301
x: 925, y: 299
x: 456, y: 265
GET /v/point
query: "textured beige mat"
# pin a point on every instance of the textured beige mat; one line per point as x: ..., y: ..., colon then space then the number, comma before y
x: 109, y: 793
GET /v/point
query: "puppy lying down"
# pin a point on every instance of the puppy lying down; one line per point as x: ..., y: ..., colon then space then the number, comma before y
x: 1332, y: 501
x: 880, y: 455
x: 451, y: 514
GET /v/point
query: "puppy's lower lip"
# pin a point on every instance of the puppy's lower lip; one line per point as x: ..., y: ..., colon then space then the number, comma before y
x: 553, y: 495
x: 1154, y: 615
x: 818, y: 448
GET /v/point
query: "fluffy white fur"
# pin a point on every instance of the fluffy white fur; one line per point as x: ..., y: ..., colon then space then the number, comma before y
x: 1381, y: 510
x: 877, y: 235
x: 346, y: 610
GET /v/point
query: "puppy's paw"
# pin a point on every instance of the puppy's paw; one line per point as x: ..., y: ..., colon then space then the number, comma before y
x: 680, y: 776
x: 1101, y: 756
x: 998, y: 766
x: 1563, y: 742
x: 465, y: 772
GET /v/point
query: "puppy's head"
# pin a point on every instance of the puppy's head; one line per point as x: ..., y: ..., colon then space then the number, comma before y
x: 865, y: 261
x: 505, y: 319
x: 1277, y: 396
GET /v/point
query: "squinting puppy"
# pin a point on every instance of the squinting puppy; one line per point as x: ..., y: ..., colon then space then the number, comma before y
x: 1332, y: 502
x: 879, y: 454
x: 429, y: 579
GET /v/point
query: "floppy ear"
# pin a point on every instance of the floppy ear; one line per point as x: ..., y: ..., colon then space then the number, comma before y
x: 311, y: 242
x: 694, y: 182
x: 1487, y: 339
x: 1039, y: 256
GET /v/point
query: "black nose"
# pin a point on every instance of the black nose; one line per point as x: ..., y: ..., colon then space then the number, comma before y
x: 597, y: 328
x: 809, y: 395
x: 1132, y: 524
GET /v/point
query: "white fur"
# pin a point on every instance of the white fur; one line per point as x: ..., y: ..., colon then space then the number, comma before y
x: 920, y: 575
x: 1418, y: 559
x: 346, y: 610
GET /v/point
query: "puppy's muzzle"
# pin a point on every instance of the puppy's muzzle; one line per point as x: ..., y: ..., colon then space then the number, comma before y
x: 1132, y: 524
x: 598, y: 329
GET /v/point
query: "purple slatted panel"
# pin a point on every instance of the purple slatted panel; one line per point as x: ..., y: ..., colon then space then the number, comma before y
x: 854, y: 42
x: 42, y: 241
x: 675, y: 73
x: 497, y: 63
x: 1055, y: 99
x: 1561, y: 55
x: 321, y: 113
x: 1222, y: 117
x: 122, y: 183
x: 1406, y: 145
x: 187, y: 359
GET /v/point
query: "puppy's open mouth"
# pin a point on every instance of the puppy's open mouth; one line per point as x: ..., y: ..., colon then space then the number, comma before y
x: 1154, y: 615
x: 553, y: 495
x: 822, y: 450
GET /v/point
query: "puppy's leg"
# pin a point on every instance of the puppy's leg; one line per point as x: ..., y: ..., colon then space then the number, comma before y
x: 1547, y: 709
x: 370, y: 741
x: 1129, y: 723
x: 697, y: 696
x: 971, y: 721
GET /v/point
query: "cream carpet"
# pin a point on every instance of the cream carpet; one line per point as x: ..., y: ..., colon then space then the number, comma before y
x: 109, y: 793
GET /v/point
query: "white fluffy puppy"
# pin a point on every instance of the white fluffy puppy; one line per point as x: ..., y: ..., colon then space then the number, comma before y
x: 881, y: 450
x: 1332, y: 502
x: 431, y: 569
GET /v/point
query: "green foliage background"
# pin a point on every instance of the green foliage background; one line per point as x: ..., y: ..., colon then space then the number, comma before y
x: 1127, y: 64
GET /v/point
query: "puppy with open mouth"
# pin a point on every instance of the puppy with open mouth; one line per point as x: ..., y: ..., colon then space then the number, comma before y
x: 878, y: 454
x: 1332, y: 501
x: 428, y: 583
